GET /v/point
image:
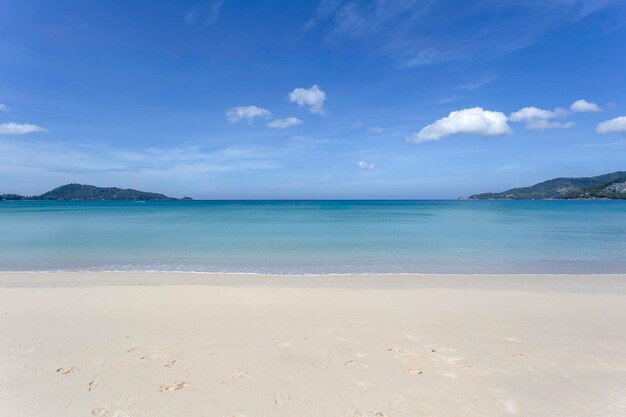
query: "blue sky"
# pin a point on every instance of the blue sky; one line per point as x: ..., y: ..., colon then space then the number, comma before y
x: 309, y: 99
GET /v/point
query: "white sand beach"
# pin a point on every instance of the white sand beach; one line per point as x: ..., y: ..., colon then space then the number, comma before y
x: 139, y: 345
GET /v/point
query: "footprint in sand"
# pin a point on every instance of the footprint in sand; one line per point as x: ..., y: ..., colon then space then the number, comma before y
x: 413, y: 371
x: 173, y: 387
x: 93, y: 385
x: 66, y: 371
x: 169, y: 364
x: 353, y: 362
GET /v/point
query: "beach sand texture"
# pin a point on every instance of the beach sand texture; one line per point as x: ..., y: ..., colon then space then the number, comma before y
x: 306, y: 346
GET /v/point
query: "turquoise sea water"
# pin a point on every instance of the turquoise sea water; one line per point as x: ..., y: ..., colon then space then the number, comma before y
x: 303, y: 237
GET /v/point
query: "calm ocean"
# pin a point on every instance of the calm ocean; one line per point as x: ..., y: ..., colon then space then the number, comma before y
x: 304, y: 237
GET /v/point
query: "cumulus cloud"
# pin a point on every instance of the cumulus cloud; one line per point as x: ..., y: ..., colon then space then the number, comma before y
x: 366, y: 166
x: 4, y: 107
x: 584, y: 106
x: 473, y: 121
x: 535, y: 118
x: 313, y: 98
x: 617, y: 125
x: 532, y: 113
x: 19, y: 129
x: 283, y: 123
x: 236, y: 114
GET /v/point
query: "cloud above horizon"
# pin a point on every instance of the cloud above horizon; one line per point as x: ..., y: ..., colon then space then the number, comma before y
x: 11, y: 128
x: 536, y: 118
x: 617, y: 125
x: 584, y: 106
x: 284, y: 123
x: 235, y: 114
x: 312, y: 98
x: 366, y: 166
x: 474, y: 120
x: 4, y: 107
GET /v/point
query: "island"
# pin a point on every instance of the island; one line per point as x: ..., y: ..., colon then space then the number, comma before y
x: 608, y: 187
x: 82, y: 192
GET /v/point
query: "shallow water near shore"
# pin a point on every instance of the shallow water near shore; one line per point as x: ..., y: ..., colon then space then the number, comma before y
x: 315, y: 237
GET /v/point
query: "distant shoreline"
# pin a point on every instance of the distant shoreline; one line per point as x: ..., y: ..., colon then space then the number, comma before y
x: 554, y: 282
x: 178, y: 200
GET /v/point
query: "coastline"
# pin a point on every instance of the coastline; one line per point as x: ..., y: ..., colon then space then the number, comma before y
x: 597, y: 283
x: 162, y: 344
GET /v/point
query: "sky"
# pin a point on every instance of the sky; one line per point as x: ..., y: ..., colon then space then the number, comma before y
x: 226, y: 99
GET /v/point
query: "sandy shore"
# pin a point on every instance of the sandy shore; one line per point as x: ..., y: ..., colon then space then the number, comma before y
x: 109, y: 345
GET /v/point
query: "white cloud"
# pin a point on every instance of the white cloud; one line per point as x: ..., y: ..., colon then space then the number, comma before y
x: 367, y: 166
x: 19, y: 129
x: 474, y: 121
x: 375, y: 129
x: 531, y: 113
x: 236, y: 114
x: 4, y: 107
x: 535, y: 118
x: 283, y: 123
x: 584, y: 106
x: 617, y: 125
x: 313, y: 98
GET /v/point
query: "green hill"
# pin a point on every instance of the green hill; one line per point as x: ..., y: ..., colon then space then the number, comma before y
x: 80, y: 192
x: 608, y: 186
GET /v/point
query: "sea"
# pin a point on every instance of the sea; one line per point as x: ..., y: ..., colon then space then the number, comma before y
x: 316, y: 237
